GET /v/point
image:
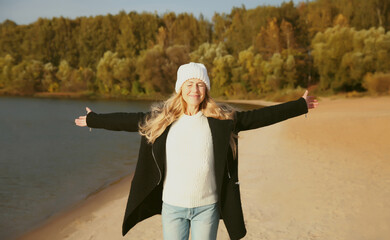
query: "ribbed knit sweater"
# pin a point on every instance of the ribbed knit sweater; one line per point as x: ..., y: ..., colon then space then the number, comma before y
x: 189, y: 179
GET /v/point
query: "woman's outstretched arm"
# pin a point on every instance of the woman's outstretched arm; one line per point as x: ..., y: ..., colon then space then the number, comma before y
x: 262, y: 117
x: 111, y: 121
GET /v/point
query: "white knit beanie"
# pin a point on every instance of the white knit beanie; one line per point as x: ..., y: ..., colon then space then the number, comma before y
x: 191, y: 70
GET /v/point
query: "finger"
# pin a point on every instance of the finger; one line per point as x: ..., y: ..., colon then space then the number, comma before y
x: 305, y: 94
x: 88, y: 110
x: 313, y: 105
x: 83, y: 117
x: 311, y: 99
x: 80, y: 123
x: 78, y: 120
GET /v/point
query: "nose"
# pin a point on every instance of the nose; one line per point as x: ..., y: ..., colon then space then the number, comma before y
x: 195, y: 88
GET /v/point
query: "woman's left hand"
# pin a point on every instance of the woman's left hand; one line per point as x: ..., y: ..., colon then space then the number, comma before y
x: 310, y: 100
x: 82, y: 120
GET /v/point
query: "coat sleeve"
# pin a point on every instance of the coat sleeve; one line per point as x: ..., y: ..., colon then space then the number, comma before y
x: 247, y: 120
x: 119, y: 121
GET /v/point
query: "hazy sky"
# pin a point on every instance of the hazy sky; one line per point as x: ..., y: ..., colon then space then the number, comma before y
x: 27, y: 11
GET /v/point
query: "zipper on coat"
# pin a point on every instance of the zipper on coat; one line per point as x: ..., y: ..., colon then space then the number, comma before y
x: 228, y: 170
x: 159, y: 170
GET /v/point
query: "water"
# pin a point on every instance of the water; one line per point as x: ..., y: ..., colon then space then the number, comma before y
x: 47, y: 163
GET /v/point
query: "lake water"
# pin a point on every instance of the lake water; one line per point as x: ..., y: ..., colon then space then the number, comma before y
x: 47, y: 163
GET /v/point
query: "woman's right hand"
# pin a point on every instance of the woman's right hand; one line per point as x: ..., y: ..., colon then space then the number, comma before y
x: 82, y: 120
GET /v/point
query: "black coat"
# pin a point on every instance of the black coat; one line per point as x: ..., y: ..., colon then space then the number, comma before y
x: 145, y: 198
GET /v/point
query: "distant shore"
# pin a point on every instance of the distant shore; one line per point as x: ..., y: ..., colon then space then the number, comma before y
x: 321, y: 177
x: 77, y: 95
x: 265, y: 101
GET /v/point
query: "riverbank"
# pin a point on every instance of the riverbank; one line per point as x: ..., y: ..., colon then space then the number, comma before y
x: 321, y: 177
x: 283, y: 95
x: 80, y: 95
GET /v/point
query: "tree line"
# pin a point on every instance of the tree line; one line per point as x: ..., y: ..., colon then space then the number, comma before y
x: 338, y: 46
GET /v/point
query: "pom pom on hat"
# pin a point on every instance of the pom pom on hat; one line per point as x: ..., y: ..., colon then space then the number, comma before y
x: 191, y: 70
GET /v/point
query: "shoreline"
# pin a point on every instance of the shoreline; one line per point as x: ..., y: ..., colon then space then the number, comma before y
x: 81, y: 96
x: 157, y: 97
x: 261, y: 102
x: 324, y: 177
x: 79, y: 211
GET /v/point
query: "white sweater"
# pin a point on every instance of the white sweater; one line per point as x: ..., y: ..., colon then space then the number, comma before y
x: 190, y: 179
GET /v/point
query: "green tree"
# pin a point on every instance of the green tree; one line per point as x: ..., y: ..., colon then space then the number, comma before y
x: 157, y: 67
x: 136, y: 33
x: 114, y: 75
x: 185, y: 29
x: 27, y: 76
x: 206, y: 53
x: 50, y: 82
x: 6, y: 64
x: 251, y: 72
x: 268, y: 40
x: 148, y: 69
x: 65, y: 76
x: 222, y: 75
x: 328, y: 50
x: 92, y: 41
x: 287, y: 35
x: 319, y: 16
x: 238, y: 33
x: 273, y: 69
x: 11, y: 39
x: 290, y: 72
x: 343, y: 56
x: 175, y: 56
x: 221, y: 23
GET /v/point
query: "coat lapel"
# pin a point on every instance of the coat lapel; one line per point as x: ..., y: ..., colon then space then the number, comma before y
x: 220, y: 132
x: 159, y: 147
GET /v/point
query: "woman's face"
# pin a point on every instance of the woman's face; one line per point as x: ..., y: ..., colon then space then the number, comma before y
x: 193, y: 92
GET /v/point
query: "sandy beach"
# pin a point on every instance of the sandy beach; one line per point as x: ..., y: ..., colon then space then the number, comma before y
x: 324, y: 176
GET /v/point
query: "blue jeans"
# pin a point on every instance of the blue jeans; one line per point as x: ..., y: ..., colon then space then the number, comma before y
x: 177, y: 222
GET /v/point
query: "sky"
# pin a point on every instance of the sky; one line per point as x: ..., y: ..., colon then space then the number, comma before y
x: 28, y: 11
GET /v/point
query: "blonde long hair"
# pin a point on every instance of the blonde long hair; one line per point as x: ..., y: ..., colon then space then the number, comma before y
x: 165, y: 113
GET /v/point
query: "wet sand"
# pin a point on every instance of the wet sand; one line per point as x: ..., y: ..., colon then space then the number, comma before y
x: 326, y: 176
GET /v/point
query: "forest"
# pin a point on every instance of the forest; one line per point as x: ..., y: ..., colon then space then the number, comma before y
x: 329, y: 46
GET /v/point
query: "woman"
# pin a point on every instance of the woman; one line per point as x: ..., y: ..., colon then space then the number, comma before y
x: 187, y: 167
